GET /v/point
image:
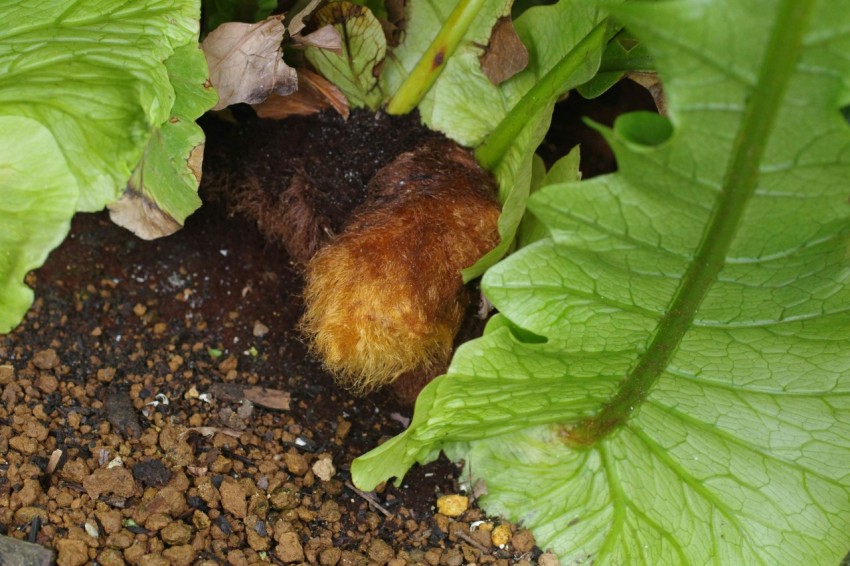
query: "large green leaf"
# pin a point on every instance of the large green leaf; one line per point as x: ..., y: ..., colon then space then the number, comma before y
x: 35, y: 215
x: 669, y: 380
x: 90, y: 82
x: 162, y: 192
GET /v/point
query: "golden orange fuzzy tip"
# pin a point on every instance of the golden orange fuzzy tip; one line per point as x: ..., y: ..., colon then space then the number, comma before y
x: 386, y: 297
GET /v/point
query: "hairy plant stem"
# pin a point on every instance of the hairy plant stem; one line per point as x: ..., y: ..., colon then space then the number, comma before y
x: 553, y: 84
x: 433, y: 61
x: 783, y: 52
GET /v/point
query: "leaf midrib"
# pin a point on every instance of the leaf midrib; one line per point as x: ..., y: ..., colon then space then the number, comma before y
x: 739, y: 184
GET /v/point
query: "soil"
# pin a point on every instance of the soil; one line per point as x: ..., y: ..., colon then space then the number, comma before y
x: 158, y: 406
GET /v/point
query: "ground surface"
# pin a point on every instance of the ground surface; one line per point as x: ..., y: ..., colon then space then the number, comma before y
x: 128, y: 432
x: 119, y: 369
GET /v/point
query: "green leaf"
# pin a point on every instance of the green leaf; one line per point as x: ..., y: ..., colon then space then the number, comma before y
x: 162, y: 192
x: 434, y: 35
x: 445, y: 25
x: 363, y: 48
x: 678, y: 389
x: 565, y: 170
x: 38, y: 197
x: 622, y: 55
x: 89, y: 80
x: 565, y: 42
x: 93, y: 74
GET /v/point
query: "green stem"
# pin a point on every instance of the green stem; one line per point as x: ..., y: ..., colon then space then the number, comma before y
x: 552, y: 85
x: 783, y: 53
x: 433, y: 61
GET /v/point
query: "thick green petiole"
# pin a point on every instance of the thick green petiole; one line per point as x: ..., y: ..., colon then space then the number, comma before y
x: 433, y: 61
x: 553, y: 83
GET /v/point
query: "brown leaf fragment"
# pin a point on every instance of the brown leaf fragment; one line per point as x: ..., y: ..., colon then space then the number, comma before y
x: 136, y: 212
x: 262, y: 396
x: 395, y: 23
x: 296, y: 22
x: 213, y: 430
x: 268, y: 398
x: 315, y: 93
x: 652, y: 83
x: 326, y: 37
x: 505, y: 55
x: 246, y: 62
x: 120, y: 412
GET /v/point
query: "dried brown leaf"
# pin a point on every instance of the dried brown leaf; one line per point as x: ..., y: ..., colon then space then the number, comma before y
x: 268, y: 398
x: 505, y: 55
x: 314, y: 93
x: 326, y: 37
x: 296, y: 23
x: 393, y: 26
x: 139, y: 214
x: 213, y: 430
x: 246, y: 63
x: 652, y: 83
x: 262, y: 396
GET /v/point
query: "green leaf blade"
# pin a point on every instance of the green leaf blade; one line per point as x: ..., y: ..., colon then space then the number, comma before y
x: 98, y: 60
x: 38, y: 198
x: 713, y: 268
x: 162, y: 191
x: 91, y: 82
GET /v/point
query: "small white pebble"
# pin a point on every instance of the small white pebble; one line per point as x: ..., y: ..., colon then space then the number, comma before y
x: 324, y: 469
x: 91, y: 529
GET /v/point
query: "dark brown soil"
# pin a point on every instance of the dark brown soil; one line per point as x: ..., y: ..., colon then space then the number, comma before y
x: 301, y: 178
x: 112, y: 370
x: 126, y: 435
x: 119, y: 374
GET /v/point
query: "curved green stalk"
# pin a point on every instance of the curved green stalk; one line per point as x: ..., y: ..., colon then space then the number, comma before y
x: 783, y: 52
x: 433, y: 61
x: 547, y: 89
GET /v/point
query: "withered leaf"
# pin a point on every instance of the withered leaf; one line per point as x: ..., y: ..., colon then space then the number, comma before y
x: 314, y: 93
x: 141, y: 215
x: 246, y: 62
x: 138, y: 210
x: 505, y: 55
x: 296, y: 22
x: 262, y: 396
x: 393, y: 26
x: 326, y: 37
x: 652, y: 83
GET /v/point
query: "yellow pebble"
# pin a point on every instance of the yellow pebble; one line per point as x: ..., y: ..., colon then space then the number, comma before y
x: 452, y: 505
x: 501, y: 535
